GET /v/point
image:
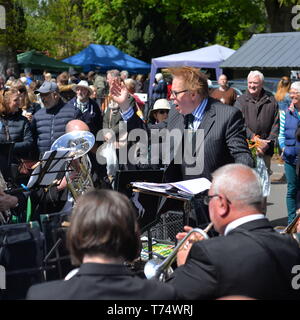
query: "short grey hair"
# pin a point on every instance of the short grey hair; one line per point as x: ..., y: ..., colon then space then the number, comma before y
x: 237, y: 186
x: 296, y: 86
x: 256, y: 73
x: 159, y: 76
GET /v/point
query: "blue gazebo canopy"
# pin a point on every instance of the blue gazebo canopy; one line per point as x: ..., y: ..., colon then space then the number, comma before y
x: 106, y: 57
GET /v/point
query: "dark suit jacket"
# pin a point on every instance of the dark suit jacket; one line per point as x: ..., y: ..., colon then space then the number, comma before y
x: 224, y: 141
x: 96, y: 281
x: 258, y: 266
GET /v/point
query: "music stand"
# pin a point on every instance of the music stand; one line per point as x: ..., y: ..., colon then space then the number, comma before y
x: 174, y: 201
x: 149, y: 202
x: 55, y: 240
x: 52, y: 163
x: 145, y: 204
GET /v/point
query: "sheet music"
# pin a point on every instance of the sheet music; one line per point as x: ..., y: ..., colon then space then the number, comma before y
x: 57, y: 164
x: 191, y: 187
x: 151, y: 186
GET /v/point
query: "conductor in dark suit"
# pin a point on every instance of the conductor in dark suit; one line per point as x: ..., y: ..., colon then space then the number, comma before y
x: 217, y: 130
x: 102, y: 236
x: 202, y: 133
x: 223, y: 128
x: 249, y: 258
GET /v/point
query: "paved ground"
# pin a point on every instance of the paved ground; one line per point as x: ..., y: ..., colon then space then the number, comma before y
x: 276, y: 210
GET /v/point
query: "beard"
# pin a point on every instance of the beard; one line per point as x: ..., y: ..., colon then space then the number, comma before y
x: 82, y: 98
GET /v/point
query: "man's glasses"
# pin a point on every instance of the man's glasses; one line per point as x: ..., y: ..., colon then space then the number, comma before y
x: 176, y: 93
x: 163, y: 111
x: 207, y: 198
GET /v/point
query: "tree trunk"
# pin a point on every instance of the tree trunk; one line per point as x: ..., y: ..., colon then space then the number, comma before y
x: 279, y: 17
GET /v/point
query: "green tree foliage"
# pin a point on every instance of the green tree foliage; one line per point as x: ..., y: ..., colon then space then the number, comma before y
x: 12, y: 36
x: 149, y: 28
x: 146, y: 28
x: 56, y: 26
x: 231, y: 21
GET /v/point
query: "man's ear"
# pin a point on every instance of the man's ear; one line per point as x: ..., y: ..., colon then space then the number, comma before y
x: 193, y: 94
x: 223, y: 205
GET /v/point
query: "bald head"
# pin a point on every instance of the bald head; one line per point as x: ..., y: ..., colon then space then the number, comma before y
x: 76, y: 125
x: 239, y: 183
x: 235, y: 192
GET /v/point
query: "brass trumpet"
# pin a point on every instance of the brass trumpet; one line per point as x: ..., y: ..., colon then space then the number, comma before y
x: 154, y: 268
x: 290, y: 228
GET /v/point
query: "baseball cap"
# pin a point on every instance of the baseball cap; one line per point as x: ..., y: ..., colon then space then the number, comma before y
x: 47, y: 87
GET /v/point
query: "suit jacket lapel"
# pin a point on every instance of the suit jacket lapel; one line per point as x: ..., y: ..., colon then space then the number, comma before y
x: 206, y: 123
x: 175, y: 121
x: 208, y: 118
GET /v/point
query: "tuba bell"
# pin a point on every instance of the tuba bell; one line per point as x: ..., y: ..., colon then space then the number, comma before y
x: 78, y: 143
x: 155, y: 268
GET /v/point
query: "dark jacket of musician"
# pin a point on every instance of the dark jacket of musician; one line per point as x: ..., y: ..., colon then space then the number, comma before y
x: 252, y: 260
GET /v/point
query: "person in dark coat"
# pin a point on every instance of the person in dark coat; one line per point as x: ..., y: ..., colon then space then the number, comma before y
x: 14, y: 126
x: 90, y: 110
x: 250, y: 258
x: 261, y: 116
x: 102, y: 236
x: 223, y: 129
x: 49, y: 123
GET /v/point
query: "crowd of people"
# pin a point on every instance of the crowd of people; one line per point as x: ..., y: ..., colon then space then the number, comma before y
x: 245, y: 256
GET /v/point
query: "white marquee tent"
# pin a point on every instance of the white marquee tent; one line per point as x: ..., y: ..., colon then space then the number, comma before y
x: 207, y: 57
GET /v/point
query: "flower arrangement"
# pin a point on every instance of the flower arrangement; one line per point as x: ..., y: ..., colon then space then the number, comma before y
x: 253, y: 144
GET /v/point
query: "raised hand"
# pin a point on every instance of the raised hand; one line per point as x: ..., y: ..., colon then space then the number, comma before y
x: 120, y: 94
